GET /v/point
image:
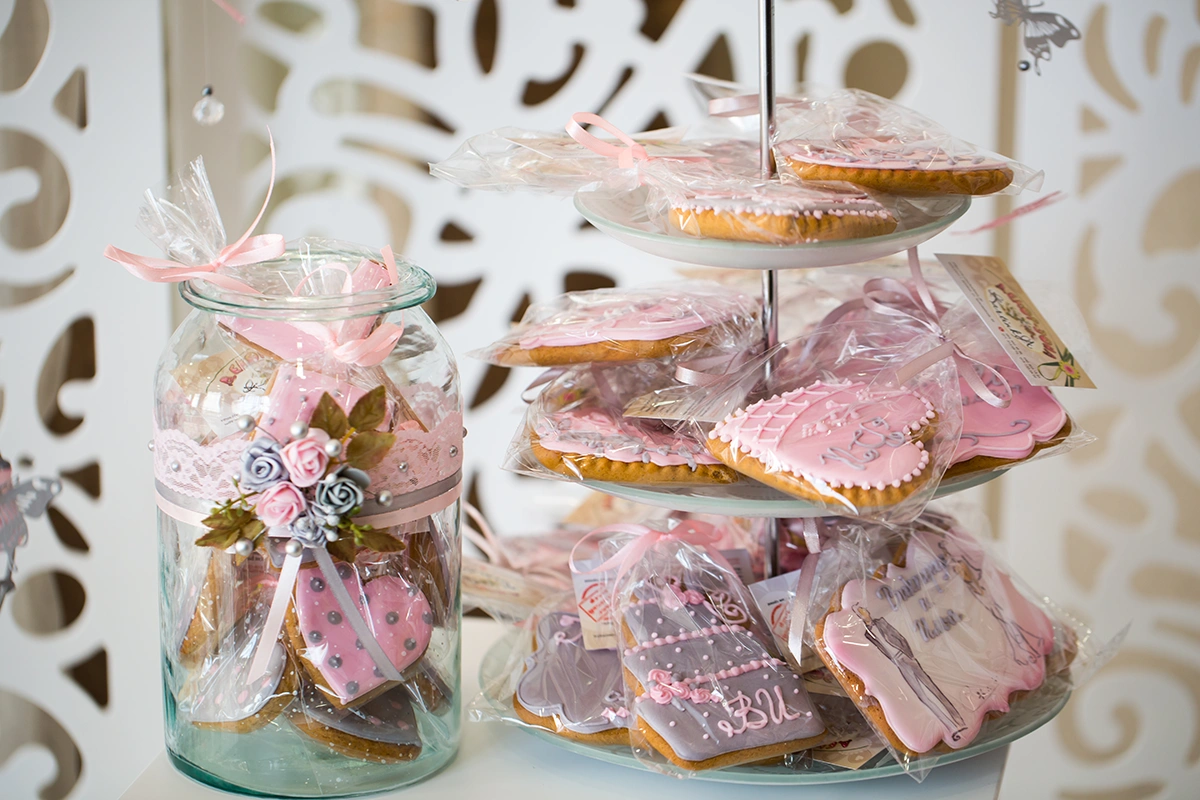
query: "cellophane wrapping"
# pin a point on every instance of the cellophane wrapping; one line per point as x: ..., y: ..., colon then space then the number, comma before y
x: 879, y: 144
x: 627, y: 324
x: 938, y: 643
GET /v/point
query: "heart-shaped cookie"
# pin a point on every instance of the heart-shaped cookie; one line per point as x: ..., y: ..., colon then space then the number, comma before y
x: 397, y: 613
x: 832, y: 440
x: 1032, y: 417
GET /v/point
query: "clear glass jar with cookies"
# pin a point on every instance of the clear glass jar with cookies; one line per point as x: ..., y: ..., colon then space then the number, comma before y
x: 308, y: 464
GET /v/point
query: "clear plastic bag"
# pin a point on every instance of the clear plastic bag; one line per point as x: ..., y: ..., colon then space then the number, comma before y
x: 938, y: 643
x: 628, y: 325
x: 575, y: 430
x: 876, y: 143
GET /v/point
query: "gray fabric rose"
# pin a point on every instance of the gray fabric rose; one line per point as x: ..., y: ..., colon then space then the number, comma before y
x: 309, y: 531
x: 339, y: 494
x: 262, y: 466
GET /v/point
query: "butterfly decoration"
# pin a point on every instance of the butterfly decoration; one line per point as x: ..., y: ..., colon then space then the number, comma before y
x: 27, y: 498
x: 1042, y: 28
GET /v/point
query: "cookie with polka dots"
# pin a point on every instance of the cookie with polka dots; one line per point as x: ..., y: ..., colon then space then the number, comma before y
x: 335, y: 659
x: 707, y: 691
x: 382, y: 730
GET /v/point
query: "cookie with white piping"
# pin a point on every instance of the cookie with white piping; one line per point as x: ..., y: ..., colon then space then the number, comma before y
x: 336, y: 660
x: 708, y: 692
x: 569, y: 690
x: 848, y: 440
x: 383, y: 729
x: 781, y: 216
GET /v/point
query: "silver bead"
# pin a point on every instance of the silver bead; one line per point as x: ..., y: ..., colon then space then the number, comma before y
x: 175, y: 466
x: 245, y: 423
x: 298, y: 429
x: 294, y: 547
x: 402, y: 466
x: 333, y: 448
x: 464, y: 433
x: 150, y: 445
x: 331, y: 535
x: 384, y: 498
x: 243, y: 547
x: 333, y: 520
x: 453, y: 451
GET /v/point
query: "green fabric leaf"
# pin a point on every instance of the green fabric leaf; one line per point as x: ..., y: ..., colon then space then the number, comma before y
x: 342, y: 550
x: 218, y: 538
x: 370, y: 410
x: 367, y: 449
x: 329, y: 417
x: 378, y: 541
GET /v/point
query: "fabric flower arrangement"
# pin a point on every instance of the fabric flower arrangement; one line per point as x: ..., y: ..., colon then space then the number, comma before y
x: 309, y: 488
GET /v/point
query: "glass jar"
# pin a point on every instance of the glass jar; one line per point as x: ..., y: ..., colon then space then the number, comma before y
x: 308, y: 465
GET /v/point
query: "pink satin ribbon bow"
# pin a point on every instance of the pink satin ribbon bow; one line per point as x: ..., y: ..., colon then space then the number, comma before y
x: 689, y: 531
x: 626, y: 155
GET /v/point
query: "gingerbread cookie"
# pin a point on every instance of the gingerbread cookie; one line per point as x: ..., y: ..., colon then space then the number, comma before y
x: 570, y: 690
x: 935, y: 643
x: 905, y: 168
x: 382, y: 730
x: 591, y: 442
x: 777, y: 219
x: 995, y: 438
x: 395, y: 611
x: 829, y: 440
x: 221, y: 695
x: 708, y: 692
x: 231, y: 587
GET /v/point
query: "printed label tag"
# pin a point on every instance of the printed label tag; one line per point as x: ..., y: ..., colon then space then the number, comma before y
x: 494, y: 588
x: 593, y: 595
x: 1015, y: 321
x: 774, y: 598
x: 850, y: 753
x: 739, y: 559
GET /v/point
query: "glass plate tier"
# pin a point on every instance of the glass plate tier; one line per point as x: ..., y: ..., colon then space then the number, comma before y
x: 624, y: 218
x: 1027, y: 715
x: 747, y: 498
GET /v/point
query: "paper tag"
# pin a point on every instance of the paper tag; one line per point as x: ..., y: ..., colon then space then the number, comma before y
x: 496, y: 589
x: 1015, y: 321
x: 739, y: 559
x: 774, y: 598
x: 850, y: 753
x: 593, y: 596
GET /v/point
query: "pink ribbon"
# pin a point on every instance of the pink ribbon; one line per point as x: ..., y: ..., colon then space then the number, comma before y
x: 246, y: 250
x: 1028, y: 208
x: 233, y: 13
x: 626, y: 155
x: 690, y: 531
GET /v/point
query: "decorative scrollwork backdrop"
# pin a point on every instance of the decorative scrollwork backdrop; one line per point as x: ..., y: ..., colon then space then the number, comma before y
x: 360, y: 94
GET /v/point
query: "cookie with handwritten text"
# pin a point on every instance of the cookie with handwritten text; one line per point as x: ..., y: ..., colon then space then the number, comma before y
x: 935, y: 643
x: 708, y: 691
x: 395, y: 612
x: 570, y: 690
x: 996, y: 438
x: 917, y: 168
x: 832, y: 442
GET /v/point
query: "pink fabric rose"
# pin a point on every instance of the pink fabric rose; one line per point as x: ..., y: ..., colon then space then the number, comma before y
x: 305, y: 459
x: 280, y: 505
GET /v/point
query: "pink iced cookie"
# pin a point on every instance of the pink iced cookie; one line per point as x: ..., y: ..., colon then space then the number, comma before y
x: 397, y: 613
x: 845, y: 439
x: 939, y: 643
x: 1032, y: 416
x: 294, y: 396
x: 593, y: 431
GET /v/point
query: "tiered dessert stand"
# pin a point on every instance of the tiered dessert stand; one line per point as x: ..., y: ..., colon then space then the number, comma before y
x: 620, y: 219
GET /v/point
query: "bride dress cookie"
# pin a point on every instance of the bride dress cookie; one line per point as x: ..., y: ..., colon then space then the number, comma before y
x: 858, y: 442
x: 708, y: 693
x: 570, y: 690
x: 396, y: 612
x: 904, y: 168
x: 596, y: 444
x: 935, y: 643
x: 382, y: 730
x: 780, y: 215
x: 994, y: 438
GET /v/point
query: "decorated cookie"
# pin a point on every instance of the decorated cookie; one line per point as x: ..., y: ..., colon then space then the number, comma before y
x: 383, y: 730
x: 996, y: 437
x: 905, y: 168
x: 831, y: 440
x: 781, y: 217
x: 935, y: 644
x: 395, y: 611
x: 591, y: 442
x: 628, y: 325
x: 570, y: 690
x: 209, y: 608
x: 222, y: 696
x: 707, y: 691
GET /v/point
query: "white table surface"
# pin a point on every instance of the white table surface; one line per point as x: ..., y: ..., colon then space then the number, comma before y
x: 500, y: 762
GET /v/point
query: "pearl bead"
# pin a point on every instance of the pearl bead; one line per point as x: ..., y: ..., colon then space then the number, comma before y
x: 402, y: 466
x: 294, y: 547
x: 175, y: 466
x: 298, y: 429
x: 333, y: 448
x: 453, y: 451
x: 384, y: 498
x: 331, y: 536
x: 150, y: 445
x: 333, y: 520
x: 245, y: 422
x: 243, y: 547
